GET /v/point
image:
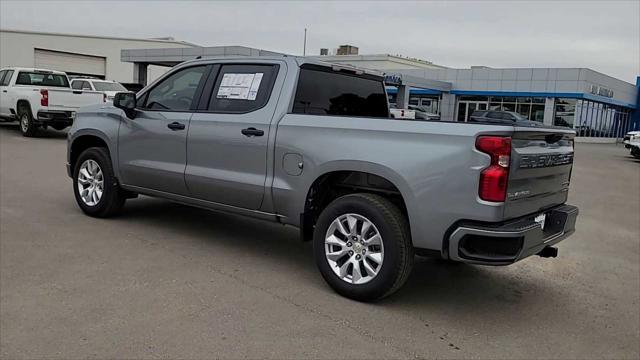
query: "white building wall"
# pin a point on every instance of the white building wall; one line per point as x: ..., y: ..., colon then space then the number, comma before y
x: 17, y: 49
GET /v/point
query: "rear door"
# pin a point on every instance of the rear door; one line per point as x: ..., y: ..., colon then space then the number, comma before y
x: 541, y: 163
x: 228, y: 136
x: 152, y: 146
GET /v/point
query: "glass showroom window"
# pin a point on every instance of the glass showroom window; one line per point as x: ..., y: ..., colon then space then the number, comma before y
x: 531, y: 108
x: 564, y: 112
x: 431, y: 104
x: 595, y: 119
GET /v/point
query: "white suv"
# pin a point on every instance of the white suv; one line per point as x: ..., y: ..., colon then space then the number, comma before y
x: 107, y: 87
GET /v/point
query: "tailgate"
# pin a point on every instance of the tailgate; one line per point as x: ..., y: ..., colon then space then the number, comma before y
x: 540, y: 171
x: 73, y: 99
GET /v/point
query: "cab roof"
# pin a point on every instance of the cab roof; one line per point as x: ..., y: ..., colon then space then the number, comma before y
x: 293, y: 60
x: 48, y: 71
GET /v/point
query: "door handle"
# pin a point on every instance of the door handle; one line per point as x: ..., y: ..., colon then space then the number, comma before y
x: 252, y: 132
x: 4, y: 90
x: 176, y: 126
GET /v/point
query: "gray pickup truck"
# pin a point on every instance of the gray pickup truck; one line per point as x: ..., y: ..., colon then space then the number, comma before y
x: 312, y: 145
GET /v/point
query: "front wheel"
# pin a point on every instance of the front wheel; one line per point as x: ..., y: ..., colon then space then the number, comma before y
x: 94, y: 184
x: 362, y: 246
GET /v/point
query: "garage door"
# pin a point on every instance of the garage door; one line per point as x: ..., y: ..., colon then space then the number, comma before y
x: 75, y: 64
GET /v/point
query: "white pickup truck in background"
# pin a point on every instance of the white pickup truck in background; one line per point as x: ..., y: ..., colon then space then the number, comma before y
x: 41, y: 98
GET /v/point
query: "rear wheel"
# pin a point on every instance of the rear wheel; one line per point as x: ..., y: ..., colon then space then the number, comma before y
x: 362, y: 246
x: 94, y: 184
x: 27, y: 126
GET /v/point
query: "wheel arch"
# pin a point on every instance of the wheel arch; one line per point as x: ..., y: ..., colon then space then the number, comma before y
x: 345, y: 177
x: 23, y: 102
x: 84, y: 140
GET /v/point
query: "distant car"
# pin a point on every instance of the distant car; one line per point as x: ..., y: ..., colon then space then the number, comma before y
x: 107, y: 87
x: 423, y: 114
x: 405, y: 114
x: 632, y: 142
x: 505, y: 117
x: 39, y: 98
x: 628, y: 137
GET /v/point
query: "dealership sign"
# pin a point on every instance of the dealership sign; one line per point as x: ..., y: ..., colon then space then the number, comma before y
x: 393, y: 79
x: 601, y: 91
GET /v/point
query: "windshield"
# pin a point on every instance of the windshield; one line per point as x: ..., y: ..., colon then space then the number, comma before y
x: 108, y: 86
x: 42, y: 79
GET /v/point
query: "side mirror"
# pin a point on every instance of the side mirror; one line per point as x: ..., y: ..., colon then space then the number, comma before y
x: 127, y: 102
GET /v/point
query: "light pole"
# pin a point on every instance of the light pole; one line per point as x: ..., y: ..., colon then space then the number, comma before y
x: 304, y: 46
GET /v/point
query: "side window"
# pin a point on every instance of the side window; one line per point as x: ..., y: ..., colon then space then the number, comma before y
x: 494, y: 115
x: 321, y: 91
x: 76, y: 85
x: 86, y: 85
x: 242, y: 88
x: 2, y: 76
x: 176, y: 91
x: 7, y: 77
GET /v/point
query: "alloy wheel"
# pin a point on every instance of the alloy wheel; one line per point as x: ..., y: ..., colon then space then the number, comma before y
x: 354, y: 249
x: 24, y: 122
x: 90, y: 182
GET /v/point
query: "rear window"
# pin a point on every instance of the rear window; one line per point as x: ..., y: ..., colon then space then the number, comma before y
x: 42, y: 79
x: 322, y: 91
x: 108, y: 86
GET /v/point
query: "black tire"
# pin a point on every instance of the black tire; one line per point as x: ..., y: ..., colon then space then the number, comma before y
x: 396, y: 239
x: 27, y: 126
x: 113, y: 197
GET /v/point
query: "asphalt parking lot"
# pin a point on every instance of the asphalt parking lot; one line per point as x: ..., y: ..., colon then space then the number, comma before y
x: 166, y: 280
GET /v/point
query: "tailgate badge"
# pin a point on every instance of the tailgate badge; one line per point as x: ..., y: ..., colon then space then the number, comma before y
x: 518, y: 194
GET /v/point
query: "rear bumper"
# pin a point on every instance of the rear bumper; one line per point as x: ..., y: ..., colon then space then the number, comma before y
x: 56, y: 117
x: 508, y: 242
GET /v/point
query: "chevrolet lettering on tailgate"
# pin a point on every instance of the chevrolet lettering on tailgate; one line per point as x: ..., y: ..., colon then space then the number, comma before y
x: 545, y: 160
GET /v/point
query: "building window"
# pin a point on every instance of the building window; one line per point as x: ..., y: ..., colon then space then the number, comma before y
x: 593, y: 119
x: 530, y: 108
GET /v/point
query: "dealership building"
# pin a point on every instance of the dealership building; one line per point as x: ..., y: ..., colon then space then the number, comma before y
x: 599, y: 107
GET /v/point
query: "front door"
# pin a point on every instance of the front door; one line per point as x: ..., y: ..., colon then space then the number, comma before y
x: 5, y: 102
x: 228, y: 136
x: 152, y: 146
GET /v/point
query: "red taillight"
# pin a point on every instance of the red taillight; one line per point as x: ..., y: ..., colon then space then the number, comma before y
x: 494, y: 179
x: 44, y: 97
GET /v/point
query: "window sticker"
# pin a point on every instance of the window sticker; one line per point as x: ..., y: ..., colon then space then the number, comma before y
x: 239, y: 86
